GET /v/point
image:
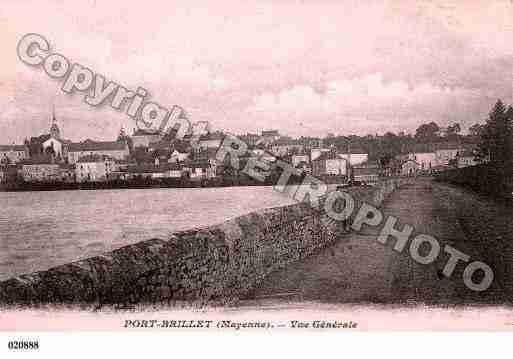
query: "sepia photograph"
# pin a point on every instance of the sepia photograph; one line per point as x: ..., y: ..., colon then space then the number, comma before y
x: 289, y: 166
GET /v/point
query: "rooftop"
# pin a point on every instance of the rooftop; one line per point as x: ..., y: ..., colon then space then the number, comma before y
x: 5, y: 148
x: 89, y: 145
x: 39, y: 160
x: 432, y: 147
x: 353, y: 149
x: 369, y: 164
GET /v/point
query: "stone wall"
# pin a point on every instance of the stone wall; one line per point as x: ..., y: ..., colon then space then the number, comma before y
x: 212, y: 265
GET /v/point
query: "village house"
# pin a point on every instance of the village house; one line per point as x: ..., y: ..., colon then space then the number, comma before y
x: 315, y: 153
x: 177, y: 156
x: 199, y: 170
x: 116, y: 150
x: 466, y: 158
x: 94, y: 168
x: 4, y: 173
x: 297, y: 159
x: 358, y: 157
x: 8, y: 173
x: 410, y: 167
x: 120, y: 169
x: 67, y: 173
x: 180, y: 151
x: 56, y: 147
x: 285, y: 145
x: 40, y: 169
x: 329, y: 164
x: 173, y: 170
x: 367, y: 172
x: 157, y: 170
x: 393, y: 167
x: 13, y: 153
x: 446, y: 152
x: 167, y: 170
x: 143, y: 170
x: 425, y: 155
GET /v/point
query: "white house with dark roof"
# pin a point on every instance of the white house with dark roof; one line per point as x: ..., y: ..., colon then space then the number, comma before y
x: 40, y: 168
x: 13, y: 153
x: 354, y: 154
x: 116, y: 150
x: 409, y: 167
x: 94, y: 168
x: 328, y: 163
x: 445, y: 152
x: 315, y: 153
x: 466, y: 158
x: 424, y: 155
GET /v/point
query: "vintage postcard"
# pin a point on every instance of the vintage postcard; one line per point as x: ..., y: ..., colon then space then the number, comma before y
x: 255, y: 166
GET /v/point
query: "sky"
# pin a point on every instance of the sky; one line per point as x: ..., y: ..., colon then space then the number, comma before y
x: 308, y: 67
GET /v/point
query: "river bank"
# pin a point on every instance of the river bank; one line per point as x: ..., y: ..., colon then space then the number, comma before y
x: 140, y: 183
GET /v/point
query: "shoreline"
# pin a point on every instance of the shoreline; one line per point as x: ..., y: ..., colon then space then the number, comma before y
x: 151, y: 183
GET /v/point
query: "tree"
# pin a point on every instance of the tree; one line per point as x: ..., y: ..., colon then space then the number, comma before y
x: 427, y: 132
x: 390, y: 146
x: 453, y: 130
x: 475, y: 130
x: 496, y: 140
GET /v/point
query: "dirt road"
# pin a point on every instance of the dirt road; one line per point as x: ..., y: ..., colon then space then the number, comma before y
x: 359, y: 269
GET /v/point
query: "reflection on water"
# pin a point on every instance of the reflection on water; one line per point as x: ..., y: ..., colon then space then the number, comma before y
x: 39, y: 230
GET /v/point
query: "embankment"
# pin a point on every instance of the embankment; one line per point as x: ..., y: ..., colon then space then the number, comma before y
x: 212, y: 265
x: 488, y: 179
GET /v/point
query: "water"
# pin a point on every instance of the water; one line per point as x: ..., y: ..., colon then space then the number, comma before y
x: 40, y: 230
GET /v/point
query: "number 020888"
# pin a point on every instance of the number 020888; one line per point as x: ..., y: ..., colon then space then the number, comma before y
x: 23, y: 345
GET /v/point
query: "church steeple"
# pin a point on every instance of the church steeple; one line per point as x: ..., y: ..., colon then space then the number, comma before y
x: 54, y: 129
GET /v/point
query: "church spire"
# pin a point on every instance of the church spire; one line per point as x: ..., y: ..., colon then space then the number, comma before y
x: 54, y: 129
